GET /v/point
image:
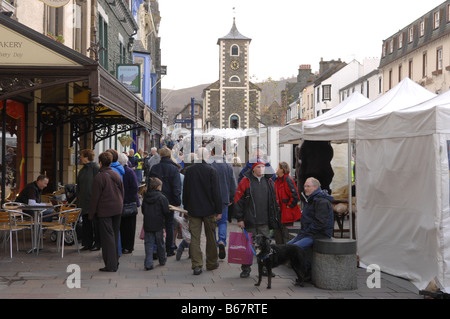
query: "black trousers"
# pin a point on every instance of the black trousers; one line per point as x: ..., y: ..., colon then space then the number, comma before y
x: 109, y: 228
x: 128, y: 232
x: 89, y: 232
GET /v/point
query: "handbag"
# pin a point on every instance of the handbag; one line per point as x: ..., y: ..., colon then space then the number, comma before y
x: 129, y: 209
x: 240, y: 249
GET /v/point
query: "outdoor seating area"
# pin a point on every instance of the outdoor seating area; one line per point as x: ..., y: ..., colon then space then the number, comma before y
x: 34, y: 225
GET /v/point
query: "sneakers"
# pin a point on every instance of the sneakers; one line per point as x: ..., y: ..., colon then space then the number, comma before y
x: 198, y: 270
x: 222, y: 253
x: 179, y: 253
x: 245, y: 273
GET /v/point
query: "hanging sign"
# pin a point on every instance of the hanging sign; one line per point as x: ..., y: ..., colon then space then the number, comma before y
x: 56, y: 3
x: 130, y: 76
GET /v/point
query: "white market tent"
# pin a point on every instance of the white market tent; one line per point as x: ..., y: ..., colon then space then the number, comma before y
x: 403, y: 212
x: 294, y: 133
x: 402, y: 171
x: 342, y: 126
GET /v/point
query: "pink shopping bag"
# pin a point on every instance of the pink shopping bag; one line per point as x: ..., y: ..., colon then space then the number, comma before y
x: 240, y: 249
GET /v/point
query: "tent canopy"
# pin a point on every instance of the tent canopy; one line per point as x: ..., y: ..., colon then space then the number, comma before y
x: 429, y: 117
x: 338, y: 124
x: 402, y: 180
x: 294, y: 133
x: 342, y: 126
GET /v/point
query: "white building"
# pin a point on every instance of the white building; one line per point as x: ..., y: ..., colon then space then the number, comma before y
x: 328, y: 87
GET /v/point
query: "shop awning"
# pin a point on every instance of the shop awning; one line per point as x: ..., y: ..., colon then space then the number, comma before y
x: 31, y: 61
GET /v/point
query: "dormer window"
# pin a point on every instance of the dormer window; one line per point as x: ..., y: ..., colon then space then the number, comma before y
x: 400, y: 41
x: 436, y: 20
x: 422, y: 28
x: 411, y: 34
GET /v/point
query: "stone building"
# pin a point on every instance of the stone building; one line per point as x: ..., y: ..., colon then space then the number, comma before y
x: 232, y: 101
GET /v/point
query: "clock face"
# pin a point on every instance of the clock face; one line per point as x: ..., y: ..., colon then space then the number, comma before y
x: 234, y: 65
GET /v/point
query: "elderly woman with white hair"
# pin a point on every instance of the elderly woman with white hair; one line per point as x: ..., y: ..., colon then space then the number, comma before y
x: 128, y: 223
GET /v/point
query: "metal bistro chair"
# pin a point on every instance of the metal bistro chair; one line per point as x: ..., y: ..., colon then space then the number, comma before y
x: 59, y: 210
x: 10, y: 223
x: 23, y: 221
x: 67, y: 222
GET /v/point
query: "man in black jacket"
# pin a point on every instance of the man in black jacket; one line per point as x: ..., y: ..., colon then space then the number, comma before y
x: 31, y: 195
x: 202, y: 199
x: 256, y: 208
x: 168, y: 172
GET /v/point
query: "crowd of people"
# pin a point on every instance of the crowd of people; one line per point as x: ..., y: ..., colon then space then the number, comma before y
x: 179, y: 201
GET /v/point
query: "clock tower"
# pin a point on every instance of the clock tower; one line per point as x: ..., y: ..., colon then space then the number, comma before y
x: 233, y: 101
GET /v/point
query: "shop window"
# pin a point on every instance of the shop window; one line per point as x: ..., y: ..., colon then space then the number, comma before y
x: 14, y: 144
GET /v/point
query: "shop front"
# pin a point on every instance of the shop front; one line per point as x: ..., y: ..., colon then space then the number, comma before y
x: 58, y: 101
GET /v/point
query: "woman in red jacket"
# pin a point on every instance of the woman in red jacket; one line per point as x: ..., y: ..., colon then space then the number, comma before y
x: 287, y: 198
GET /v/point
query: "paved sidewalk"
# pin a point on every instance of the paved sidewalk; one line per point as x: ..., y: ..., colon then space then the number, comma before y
x: 28, y: 276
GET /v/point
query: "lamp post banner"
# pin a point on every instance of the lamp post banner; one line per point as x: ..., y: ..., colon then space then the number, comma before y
x: 55, y: 3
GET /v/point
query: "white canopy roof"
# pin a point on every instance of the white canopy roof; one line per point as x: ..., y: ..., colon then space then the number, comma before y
x: 429, y: 117
x: 342, y: 126
x: 294, y: 133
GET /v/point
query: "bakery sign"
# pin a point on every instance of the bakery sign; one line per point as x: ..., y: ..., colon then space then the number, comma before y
x: 18, y: 50
x: 56, y: 3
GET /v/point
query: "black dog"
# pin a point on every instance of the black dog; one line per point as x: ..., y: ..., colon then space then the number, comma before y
x: 271, y: 256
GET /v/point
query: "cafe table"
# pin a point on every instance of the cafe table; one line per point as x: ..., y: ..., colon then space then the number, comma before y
x: 37, y: 210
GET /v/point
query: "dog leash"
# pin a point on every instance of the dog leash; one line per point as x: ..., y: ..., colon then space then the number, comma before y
x: 251, y: 246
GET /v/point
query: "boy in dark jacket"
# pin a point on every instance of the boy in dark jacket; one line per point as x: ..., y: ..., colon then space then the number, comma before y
x: 155, y: 208
x: 167, y: 171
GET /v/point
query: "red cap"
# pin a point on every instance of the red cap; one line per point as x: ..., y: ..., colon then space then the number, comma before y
x: 258, y: 162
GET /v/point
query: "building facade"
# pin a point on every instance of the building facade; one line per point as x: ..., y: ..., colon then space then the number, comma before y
x: 60, y: 86
x: 420, y: 51
x: 185, y: 114
x: 290, y: 96
x: 232, y: 101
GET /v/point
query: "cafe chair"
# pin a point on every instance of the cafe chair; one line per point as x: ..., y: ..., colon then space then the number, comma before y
x: 12, y: 205
x: 10, y: 222
x: 67, y: 223
x: 24, y: 220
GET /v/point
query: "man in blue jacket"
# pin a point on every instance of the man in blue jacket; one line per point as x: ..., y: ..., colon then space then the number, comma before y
x: 317, y: 215
x: 168, y: 172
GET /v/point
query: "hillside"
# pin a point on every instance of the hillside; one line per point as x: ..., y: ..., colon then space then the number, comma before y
x: 175, y: 100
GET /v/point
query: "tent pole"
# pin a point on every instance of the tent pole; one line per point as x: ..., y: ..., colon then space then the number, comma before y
x: 350, y: 188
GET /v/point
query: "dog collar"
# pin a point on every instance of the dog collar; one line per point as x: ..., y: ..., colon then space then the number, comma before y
x: 268, y: 255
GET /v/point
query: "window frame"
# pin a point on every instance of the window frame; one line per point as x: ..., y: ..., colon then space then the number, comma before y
x: 411, y: 34
x: 436, y: 19
x: 326, y: 92
x: 422, y: 28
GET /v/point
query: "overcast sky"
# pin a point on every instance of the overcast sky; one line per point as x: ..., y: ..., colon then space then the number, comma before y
x: 284, y: 33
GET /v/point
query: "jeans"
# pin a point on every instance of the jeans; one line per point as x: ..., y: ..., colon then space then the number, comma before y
x: 150, y: 239
x: 222, y: 227
x: 304, y: 242
x: 170, y: 247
